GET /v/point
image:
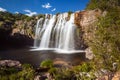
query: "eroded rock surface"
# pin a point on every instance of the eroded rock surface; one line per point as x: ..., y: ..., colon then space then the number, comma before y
x: 85, y: 20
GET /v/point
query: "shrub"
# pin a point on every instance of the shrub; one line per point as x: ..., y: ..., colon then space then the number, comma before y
x: 47, y: 63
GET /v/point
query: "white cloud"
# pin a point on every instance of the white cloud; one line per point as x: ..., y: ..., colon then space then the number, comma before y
x: 2, y: 9
x: 16, y: 12
x: 53, y: 9
x: 47, y: 6
x: 27, y: 11
x: 30, y: 13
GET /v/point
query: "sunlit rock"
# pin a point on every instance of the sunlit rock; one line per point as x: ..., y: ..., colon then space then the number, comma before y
x: 10, y: 63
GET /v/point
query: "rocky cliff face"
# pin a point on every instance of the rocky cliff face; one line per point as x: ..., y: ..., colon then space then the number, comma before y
x: 85, y: 18
x: 24, y: 27
x: 16, y: 30
x: 86, y: 22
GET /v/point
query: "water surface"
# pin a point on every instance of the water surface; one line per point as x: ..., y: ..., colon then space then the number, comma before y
x: 35, y: 57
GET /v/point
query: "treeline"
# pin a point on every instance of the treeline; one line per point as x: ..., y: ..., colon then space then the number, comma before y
x: 108, y: 5
x: 7, y: 19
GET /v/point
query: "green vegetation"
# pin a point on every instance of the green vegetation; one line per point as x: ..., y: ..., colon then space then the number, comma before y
x: 6, y: 19
x: 47, y: 63
x: 106, y: 41
x: 105, y: 44
x: 26, y: 73
x: 108, y: 5
x: 69, y: 14
x: 81, y: 72
x: 57, y: 73
x: 9, y: 21
x: 40, y: 16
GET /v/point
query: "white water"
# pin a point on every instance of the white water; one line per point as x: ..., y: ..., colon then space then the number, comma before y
x: 56, y: 33
x: 45, y: 39
x: 37, y: 32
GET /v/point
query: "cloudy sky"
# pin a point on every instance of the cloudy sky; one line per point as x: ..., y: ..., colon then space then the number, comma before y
x: 33, y: 7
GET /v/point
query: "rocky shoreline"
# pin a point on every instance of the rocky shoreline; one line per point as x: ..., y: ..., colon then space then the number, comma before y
x: 43, y: 73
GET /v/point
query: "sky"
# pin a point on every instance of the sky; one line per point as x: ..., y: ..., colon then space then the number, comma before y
x: 34, y: 7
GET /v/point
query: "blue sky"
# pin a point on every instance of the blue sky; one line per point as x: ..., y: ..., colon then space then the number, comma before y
x: 31, y: 7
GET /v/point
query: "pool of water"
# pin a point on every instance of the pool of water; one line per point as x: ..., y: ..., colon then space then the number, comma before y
x: 34, y: 57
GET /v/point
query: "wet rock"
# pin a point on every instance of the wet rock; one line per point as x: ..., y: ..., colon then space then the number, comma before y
x: 10, y: 63
x: 61, y: 63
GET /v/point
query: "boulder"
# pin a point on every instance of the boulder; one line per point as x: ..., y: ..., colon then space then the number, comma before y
x: 10, y: 63
x: 61, y: 63
x: 89, y: 53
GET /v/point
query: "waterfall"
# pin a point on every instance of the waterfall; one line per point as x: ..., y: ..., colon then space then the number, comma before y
x: 37, y: 32
x: 55, y: 32
x: 45, y: 39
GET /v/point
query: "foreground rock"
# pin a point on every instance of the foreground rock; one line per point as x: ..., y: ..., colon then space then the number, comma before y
x: 110, y: 76
x: 10, y: 63
x: 89, y: 54
x: 61, y: 63
x: 116, y: 76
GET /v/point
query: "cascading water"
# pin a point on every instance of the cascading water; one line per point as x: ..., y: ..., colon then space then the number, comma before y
x: 65, y: 32
x: 37, y: 33
x: 55, y: 32
x: 45, y: 39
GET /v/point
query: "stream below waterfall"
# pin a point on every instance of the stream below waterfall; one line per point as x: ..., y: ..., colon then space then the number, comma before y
x: 35, y: 57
